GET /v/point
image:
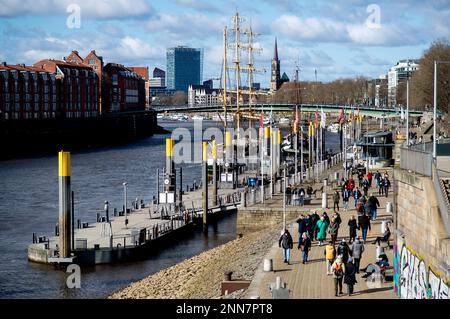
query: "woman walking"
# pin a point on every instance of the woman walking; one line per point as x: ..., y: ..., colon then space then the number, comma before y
x: 322, y: 226
x: 350, y: 276
x: 352, y: 226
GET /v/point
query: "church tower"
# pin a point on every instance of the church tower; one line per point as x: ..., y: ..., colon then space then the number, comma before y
x: 275, y: 79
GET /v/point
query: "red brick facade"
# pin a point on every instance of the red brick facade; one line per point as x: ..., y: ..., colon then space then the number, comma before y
x: 124, y: 90
x: 79, y: 87
x: 27, y: 93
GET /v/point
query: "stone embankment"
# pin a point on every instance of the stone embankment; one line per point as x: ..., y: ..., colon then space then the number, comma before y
x: 200, y: 276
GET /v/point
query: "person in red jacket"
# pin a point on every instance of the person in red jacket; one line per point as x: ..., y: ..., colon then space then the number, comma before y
x: 369, y: 178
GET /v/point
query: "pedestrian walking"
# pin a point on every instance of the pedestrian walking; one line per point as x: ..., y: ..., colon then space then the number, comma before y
x: 364, y: 225
x: 350, y: 276
x: 373, y: 205
x: 345, y: 197
x: 352, y: 226
x: 333, y: 230
x: 381, y: 189
x: 338, y: 269
x: 288, y: 194
x: 322, y: 226
x: 357, y: 252
x: 305, y: 247
x: 330, y: 255
x: 314, y: 219
x: 343, y: 250
x: 301, y: 228
x: 369, y: 178
x: 386, y: 185
x: 287, y: 244
x: 357, y: 195
x: 301, y: 196
x: 336, y: 199
x: 365, y: 185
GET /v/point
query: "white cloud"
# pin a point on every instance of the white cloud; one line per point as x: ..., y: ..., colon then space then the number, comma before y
x: 105, y: 9
x: 310, y: 28
x: 187, y: 25
x: 330, y: 30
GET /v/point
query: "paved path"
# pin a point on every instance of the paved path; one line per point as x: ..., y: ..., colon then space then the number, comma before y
x: 310, y: 280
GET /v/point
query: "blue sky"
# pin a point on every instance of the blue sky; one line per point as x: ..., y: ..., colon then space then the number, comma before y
x: 338, y: 38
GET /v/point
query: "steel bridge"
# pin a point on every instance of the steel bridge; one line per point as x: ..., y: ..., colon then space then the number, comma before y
x: 288, y: 108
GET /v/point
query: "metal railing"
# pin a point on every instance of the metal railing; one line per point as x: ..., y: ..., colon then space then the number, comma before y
x: 442, y: 198
x: 416, y: 161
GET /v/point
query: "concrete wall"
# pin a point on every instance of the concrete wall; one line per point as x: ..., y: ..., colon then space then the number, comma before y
x: 254, y: 219
x: 421, y: 247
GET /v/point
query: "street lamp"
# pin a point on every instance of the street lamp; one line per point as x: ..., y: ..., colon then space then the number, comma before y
x: 125, y: 202
x: 435, y: 105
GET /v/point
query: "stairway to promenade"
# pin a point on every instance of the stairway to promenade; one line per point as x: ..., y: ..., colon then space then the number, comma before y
x: 310, y: 281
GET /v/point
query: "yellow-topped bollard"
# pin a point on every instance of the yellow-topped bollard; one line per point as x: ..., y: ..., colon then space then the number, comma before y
x: 169, y: 147
x: 64, y: 204
x: 64, y: 163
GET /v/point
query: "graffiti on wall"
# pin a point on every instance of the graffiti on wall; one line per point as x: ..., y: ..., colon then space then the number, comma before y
x: 415, y: 280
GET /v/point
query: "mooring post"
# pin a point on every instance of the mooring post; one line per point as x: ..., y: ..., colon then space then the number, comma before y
x: 64, y: 204
x: 180, y: 196
x: 214, y: 155
x: 205, y: 186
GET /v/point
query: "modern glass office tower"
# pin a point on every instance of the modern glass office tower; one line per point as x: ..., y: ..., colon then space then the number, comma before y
x: 184, y: 68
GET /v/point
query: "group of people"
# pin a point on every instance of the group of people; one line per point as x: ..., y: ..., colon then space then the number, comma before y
x: 343, y: 258
x: 343, y: 263
x: 295, y: 195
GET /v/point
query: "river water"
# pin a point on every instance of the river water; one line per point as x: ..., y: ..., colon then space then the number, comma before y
x: 29, y: 203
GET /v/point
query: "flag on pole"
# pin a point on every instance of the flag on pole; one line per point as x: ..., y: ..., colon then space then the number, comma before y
x: 341, y: 118
x: 323, y: 120
x: 402, y: 114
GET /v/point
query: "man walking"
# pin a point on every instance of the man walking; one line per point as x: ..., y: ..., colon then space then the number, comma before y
x: 336, y: 199
x: 373, y: 204
x: 345, y: 197
x: 357, y: 252
x: 286, y: 243
x: 364, y: 225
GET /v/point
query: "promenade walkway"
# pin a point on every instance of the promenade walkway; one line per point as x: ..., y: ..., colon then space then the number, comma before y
x: 310, y: 281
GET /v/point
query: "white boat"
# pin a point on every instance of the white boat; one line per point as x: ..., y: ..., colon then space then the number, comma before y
x: 197, y: 118
x: 284, y: 120
x: 334, y: 128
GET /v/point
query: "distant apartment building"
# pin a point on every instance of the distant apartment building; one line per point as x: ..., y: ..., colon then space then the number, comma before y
x: 124, y: 90
x: 184, y: 68
x: 143, y: 72
x: 27, y: 92
x: 381, y: 89
x: 203, y: 95
x: 398, y: 74
x: 79, y: 87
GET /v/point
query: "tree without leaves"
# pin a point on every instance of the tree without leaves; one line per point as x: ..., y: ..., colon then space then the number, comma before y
x: 421, y: 84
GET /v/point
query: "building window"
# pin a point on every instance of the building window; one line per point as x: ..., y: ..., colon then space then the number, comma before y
x: 91, y: 62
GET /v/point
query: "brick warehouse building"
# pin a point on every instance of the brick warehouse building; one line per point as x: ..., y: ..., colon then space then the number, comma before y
x: 27, y: 92
x: 123, y: 89
x: 96, y: 63
x: 143, y: 72
x: 79, y: 87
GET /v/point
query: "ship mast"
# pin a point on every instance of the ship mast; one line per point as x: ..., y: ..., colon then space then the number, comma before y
x: 225, y: 124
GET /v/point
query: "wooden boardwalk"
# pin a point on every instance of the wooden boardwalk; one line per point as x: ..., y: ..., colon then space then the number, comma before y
x: 310, y: 281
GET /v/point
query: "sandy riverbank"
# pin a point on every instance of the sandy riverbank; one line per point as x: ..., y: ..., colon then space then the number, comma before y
x: 200, y: 276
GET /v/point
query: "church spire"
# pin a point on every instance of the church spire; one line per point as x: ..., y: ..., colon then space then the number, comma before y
x: 275, y: 54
